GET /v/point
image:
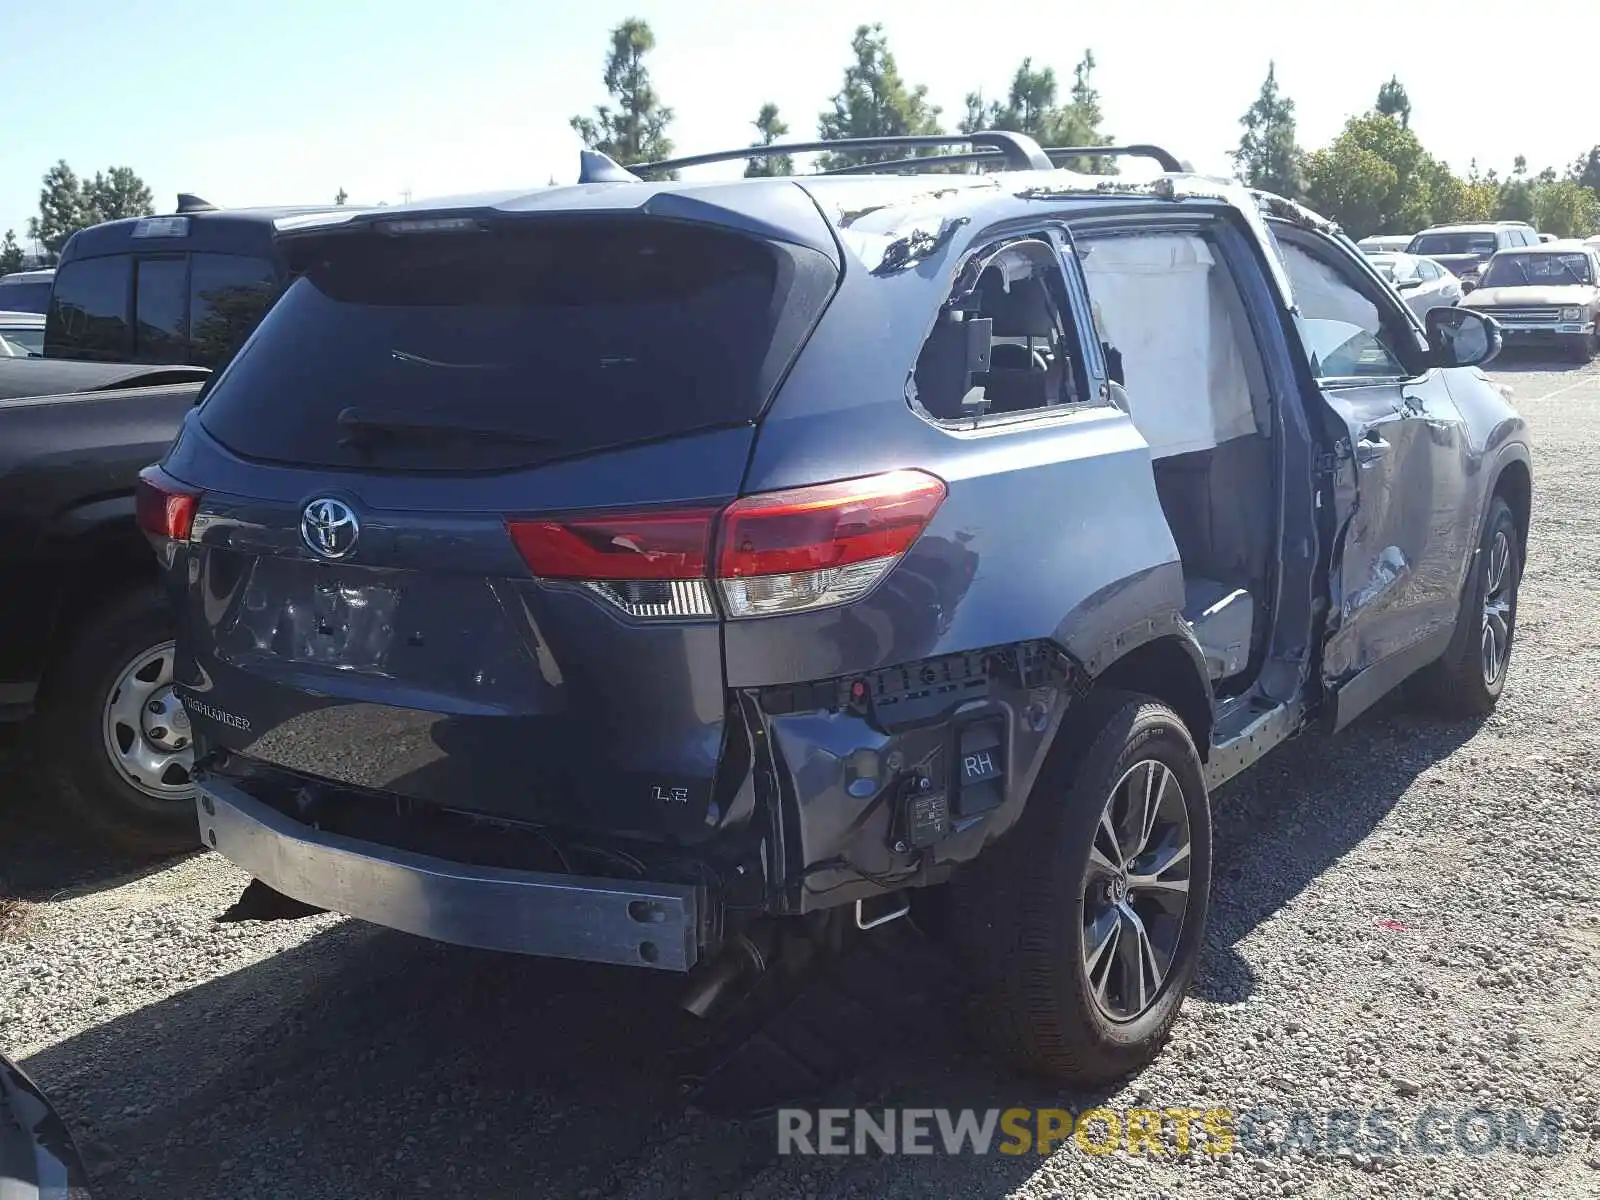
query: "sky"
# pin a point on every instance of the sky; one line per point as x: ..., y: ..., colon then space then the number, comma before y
x: 287, y: 103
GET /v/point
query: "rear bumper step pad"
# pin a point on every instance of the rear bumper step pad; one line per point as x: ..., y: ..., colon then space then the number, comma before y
x: 491, y: 908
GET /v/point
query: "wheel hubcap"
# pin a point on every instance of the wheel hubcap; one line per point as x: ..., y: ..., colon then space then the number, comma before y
x: 1136, y: 890
x: 1497, y: 599
x: 147, y: 730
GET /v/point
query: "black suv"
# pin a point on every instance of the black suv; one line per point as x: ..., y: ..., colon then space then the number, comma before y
x: 146, y: 305
x: 181, y: 288
x: 677, y: 574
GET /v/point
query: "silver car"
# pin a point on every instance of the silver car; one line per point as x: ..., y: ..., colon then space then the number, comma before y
x: 1422, y: 283
x: 21, y: 335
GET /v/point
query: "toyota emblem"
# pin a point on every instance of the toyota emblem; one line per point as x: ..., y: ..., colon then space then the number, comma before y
x: 330, y: 527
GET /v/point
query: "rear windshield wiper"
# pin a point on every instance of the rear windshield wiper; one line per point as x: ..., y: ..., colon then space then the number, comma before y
x: 420, y: 361
x: 363, y: 430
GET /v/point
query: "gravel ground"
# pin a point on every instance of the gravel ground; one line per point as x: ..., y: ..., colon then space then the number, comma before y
x: 1405, y: 916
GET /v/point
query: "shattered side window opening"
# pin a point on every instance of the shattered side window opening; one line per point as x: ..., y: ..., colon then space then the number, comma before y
x: 1005, y: 344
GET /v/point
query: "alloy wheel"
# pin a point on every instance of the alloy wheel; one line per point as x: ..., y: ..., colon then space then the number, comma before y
x: 1499, y: 590
x: 1136, y: 890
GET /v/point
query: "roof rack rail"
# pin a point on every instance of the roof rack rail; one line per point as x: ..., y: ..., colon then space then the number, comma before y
x: 188, y: 202
x: 1166, y: 160
x: 1019, y: 151
x: 1056, y: 155
x: 920, y: 160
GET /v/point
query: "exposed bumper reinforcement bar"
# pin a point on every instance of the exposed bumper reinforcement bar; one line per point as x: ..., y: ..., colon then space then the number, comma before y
x: 490, y: 908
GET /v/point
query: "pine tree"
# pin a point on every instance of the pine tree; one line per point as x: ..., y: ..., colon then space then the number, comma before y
x: 875, y: 102
x: 635, y: 130
x: 1268, y: 157
x: 770, y: 127
x: 10, y: 254
x: 1393, y: 102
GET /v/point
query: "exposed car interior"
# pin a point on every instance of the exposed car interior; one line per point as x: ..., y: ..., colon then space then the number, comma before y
x: 1195, y: 388
x: 1004, y: 347
x: 1198, y: 393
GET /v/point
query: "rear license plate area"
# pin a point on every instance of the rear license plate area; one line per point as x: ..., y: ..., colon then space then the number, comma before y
x: 311, y: 613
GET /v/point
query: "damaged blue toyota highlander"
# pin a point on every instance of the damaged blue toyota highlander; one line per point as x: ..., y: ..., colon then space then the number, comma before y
x: 672, y: 573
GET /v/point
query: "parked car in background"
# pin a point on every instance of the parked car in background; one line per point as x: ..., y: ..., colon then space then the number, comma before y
x: 1383, y: 243
x: 1545, y: 295
x: 1463, y: 249
x: 1422, y: 283
x: 21, y: 334
x: 139, y: 312
x: 764, y: 635
x: 26, y: 291
x: 85, y: 642
x: 183, y: 288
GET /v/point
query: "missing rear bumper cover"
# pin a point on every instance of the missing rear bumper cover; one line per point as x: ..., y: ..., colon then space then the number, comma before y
x: 557, y: 915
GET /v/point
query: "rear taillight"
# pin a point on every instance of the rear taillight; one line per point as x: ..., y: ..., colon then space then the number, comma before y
x: 817, y: 546
x: 162, y: 506
x: 649, y: 564
x: 780, y: 552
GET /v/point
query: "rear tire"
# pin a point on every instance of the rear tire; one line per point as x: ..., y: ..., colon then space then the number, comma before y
x: 119, y: 654
x: 1056, y: 931
x: 1462, y: 683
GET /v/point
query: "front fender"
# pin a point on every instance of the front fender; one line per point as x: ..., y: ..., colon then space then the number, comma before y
x: 1508, y: 450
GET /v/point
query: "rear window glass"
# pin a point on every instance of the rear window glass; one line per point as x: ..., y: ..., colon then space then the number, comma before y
x: 227, y: 295
x: 31, y: 297
x: 159, y: 333
x: 1453, y: 243
x: 516, y: 345
x: 88, y: 315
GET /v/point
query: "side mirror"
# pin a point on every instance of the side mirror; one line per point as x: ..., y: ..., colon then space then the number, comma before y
x: 1461, y: 337
x: 1467, y: 285
x: 1406, y: 285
